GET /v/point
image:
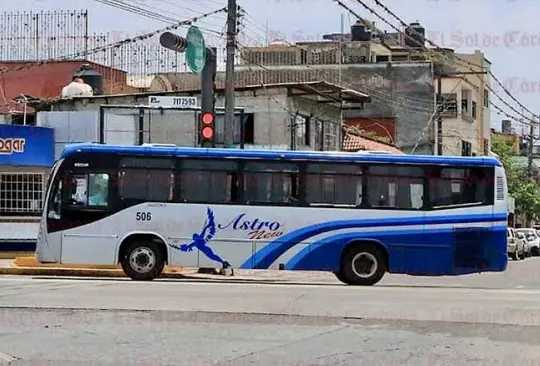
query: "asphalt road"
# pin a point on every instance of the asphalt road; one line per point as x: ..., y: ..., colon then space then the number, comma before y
x: 488, y: 319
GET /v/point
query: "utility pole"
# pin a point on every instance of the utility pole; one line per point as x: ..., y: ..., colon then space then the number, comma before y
x: 440, y: 111
x: 530, y: 147
x: 229, y: 72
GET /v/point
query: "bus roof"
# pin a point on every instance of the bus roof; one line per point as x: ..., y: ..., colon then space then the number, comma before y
x: 166, y: 150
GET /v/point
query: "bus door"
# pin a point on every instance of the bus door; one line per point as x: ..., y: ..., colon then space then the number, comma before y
x: 86, y: 238
x: 49, y: 241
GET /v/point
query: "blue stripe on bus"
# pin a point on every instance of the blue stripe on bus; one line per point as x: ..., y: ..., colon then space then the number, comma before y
x: 267, y: 255
x: 324, y: 254
x: 70, y: 150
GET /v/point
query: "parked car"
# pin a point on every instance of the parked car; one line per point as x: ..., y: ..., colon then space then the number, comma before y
x: 515, y: 245
x: 532, y: 238
x: 526, y: 246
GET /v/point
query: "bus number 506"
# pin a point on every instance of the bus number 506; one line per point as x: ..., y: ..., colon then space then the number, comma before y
x: 143, y: 216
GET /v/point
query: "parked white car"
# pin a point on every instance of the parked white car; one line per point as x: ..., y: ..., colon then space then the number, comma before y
x: 516, y: 247
x: 532, y: 238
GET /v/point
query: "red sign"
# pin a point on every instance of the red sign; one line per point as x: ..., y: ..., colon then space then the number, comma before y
x: 10, y: 145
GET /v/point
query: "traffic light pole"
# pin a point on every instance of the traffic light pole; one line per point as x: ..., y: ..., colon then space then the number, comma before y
x: 208, y: 77
x: 229, y: 71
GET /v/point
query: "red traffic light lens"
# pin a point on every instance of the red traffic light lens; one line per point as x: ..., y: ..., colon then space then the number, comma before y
x: 207, y: 118
x: 208, y: 132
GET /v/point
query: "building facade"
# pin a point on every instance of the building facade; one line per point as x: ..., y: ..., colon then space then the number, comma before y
x: 401, y: 80
x: 31, y: 80
x: 276, y: 116
x: 26, y: 156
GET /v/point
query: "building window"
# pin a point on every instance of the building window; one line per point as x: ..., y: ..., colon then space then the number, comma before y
x: 301, y: 128
x: 466, y: 148
x: 399, y: 187
x: 486, y: 98
x: 334, y: 184
x: 459, y: 186
x: 276, y: 183
x: 473, y: 110
x: 464, y: 106
x: 449, y: 105
x: 21, y: 193
x: 330, y: 136
x: 209, y: 181
x: 249, y: 128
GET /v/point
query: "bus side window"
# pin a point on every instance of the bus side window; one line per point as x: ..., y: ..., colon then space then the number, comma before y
x: 458, y: 186
x: 91, y: 190
x: 334, y: 184
x: 399, y: 187
x: 208, y: 181
x: 271, y: 182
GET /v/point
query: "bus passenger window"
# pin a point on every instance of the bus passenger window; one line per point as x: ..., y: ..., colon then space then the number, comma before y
x: 78, y: 190
x: 271, y: 183
x: 88, y: 190
x: 459, y: 186
x: 399, y: 187
x: 334, y: 184
x: 98, y: 189
x: 208, y: 186
x: 208, y: 181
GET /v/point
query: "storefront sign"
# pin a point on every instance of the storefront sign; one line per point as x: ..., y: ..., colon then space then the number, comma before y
x: 9, y: 146
x: 26, y: 146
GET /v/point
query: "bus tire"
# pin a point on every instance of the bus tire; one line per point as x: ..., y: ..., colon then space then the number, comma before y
x: 366, y: 255
x: 144, y: 260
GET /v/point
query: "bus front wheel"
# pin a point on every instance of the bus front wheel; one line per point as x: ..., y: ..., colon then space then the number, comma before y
x: 143, y: 261
x: 362, y: 265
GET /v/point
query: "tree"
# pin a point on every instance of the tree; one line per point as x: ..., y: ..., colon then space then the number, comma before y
x: 521, y: 187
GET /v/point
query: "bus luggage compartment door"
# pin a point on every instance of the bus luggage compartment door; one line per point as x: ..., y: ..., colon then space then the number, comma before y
x: 469, y: 251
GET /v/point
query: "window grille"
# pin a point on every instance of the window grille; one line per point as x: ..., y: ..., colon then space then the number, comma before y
x: 21, y: 193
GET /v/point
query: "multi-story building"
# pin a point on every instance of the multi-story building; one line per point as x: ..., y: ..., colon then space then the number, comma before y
x: 401, y: 79
x: 467, y: 118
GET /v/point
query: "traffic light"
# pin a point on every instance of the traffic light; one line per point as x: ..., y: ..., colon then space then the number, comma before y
x: 173, y: 42
x: 207, y: 127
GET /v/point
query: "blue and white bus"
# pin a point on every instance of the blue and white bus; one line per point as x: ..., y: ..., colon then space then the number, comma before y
x: 357, y: 215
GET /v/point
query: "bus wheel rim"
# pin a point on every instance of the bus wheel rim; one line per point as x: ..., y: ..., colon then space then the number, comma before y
x: 142, y: 260
x: 364, y: 265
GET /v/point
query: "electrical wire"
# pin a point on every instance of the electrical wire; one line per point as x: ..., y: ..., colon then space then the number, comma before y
x: 466, y: 62
x: 114, y: 45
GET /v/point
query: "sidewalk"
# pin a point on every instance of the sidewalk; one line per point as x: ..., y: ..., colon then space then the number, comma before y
x: 28, y: 266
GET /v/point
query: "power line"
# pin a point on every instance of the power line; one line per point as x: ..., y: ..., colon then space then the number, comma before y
x: 115, y: 44
x: 437, y: 52
x: 379, y: 3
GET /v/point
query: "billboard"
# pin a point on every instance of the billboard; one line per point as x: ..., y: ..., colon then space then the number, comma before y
x: 26, y: 146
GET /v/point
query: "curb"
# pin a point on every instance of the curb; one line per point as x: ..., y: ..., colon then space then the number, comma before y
x: 31, y: 262
x: 76, y: 272
x: 15, y: 255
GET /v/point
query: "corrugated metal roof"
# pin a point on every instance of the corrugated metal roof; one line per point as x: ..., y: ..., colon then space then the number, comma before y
x: 357, y: 143
x: 45, y: 81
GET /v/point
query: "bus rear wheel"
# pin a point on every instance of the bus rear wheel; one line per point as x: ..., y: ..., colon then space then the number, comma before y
x: 362, y: 265
x: 144, y: 261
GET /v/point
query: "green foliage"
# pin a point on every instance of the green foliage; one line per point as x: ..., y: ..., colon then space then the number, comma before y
x: 520, y: 186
